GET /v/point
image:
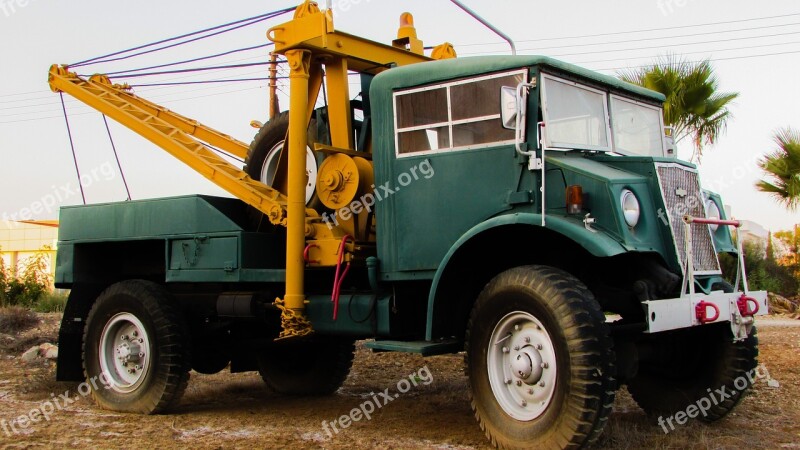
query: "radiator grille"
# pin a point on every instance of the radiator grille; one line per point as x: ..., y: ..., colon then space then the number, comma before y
x: 681, y: 190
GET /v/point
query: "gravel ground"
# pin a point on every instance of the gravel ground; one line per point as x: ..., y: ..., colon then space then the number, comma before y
x: 235, y: 411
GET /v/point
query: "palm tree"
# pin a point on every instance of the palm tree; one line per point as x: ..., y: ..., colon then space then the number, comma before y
x: 693, y: 107
x: 782, y: 167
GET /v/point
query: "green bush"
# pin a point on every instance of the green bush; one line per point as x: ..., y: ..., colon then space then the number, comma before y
x: 51, y: 302
x: 763, y: 274
x: 3, y: 283
x: 27, y: 288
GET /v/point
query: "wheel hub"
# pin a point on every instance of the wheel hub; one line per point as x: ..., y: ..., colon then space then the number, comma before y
x: 527, y: 365
x: 124, y: 352
x: 521, y: 364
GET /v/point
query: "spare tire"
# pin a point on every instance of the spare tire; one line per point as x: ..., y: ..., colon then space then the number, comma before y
x: 264, y: 155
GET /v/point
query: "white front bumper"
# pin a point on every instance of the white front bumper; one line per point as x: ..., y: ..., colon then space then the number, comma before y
x: 676, y: 313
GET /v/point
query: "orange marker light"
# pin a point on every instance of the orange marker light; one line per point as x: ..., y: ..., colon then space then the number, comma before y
x: 574, y: 199
x: 406, y: 20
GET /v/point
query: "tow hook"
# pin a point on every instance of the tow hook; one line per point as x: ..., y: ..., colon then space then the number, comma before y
x: 701, y: 312
x: 744, y: 308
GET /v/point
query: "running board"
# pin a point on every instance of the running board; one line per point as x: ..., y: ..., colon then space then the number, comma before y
x: 424, y: 348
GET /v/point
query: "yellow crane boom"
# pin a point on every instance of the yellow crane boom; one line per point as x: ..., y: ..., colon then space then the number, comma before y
x: 183, y: 138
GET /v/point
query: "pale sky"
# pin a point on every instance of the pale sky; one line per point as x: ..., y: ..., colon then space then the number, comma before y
x: 757, y: 53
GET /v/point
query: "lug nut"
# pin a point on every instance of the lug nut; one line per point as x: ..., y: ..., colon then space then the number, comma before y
x: 530, y: 391
x: 527, y: 340
x: 539, y: 346
x: 545, y: 365
x: 508, y: 381
x: 524, y: 403
x: 124, y: 337
x: 505, y: 349
x: 516, y: 327
x: 541, y: 384
x: 516, y: 347
x: 519, y: 383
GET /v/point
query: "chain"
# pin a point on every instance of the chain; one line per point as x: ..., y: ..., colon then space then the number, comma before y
x: 293, y: 324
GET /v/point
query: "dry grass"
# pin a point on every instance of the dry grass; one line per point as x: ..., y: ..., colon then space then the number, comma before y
x: 15, y: 319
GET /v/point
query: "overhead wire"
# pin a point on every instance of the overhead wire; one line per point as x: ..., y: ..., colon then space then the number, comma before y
x: 589, y: 44
x: 616, y: 33
x: 193, y: 69
x: 202, y: 58
x: 717, y: 41
x: 235, y: 24
x: 710, y: 59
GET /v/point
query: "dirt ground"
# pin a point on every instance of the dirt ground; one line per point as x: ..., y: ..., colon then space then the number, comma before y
x: 235, y: 411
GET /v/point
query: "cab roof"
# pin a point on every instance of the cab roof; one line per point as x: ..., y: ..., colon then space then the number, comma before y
x: 448, y: 69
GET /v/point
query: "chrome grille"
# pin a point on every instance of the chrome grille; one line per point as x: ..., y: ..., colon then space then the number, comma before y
x: 681, y: 191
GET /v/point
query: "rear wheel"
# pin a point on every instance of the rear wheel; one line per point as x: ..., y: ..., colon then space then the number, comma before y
x: 317, y: 366
x: 136, y: 349
x: 539, y: 360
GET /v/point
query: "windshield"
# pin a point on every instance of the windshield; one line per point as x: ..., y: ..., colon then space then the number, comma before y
x: 579, y: 117
x: 636, y: 128
x: 575, y: 116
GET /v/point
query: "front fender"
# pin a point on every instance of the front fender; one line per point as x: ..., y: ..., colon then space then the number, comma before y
x: 595, y: 242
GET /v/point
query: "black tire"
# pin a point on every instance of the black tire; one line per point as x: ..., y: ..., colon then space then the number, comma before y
x: 317, y: 366
x: 268, y: 137
x: 584, y: 388
x: 164, y: 353
x: 694, y: 364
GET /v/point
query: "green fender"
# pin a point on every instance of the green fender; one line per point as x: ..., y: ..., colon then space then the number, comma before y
x: 597, y: 243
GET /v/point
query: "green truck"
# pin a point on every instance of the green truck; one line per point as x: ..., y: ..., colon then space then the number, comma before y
x: 525, y: 211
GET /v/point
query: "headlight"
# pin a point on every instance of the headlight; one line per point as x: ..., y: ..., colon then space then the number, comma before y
x: 712, y: 212
x: 630, y: 207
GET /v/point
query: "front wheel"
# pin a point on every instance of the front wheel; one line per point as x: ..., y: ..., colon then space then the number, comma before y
x: 136, y: 349
x: 539, y: 360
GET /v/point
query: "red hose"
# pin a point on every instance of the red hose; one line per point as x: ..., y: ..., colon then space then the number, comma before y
x: 337, y: 278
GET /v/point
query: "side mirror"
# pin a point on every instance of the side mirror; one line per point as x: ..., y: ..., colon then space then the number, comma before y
x: 669, y: 143
x: 508, y: 107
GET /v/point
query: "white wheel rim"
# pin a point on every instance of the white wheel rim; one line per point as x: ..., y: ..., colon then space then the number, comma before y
x: 270, y: 168
x: 521, y: 362
x: 124, y: 353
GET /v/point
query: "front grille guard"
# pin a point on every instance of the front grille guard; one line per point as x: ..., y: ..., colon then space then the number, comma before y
x: 688, y: 277
x: 742, y: 323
